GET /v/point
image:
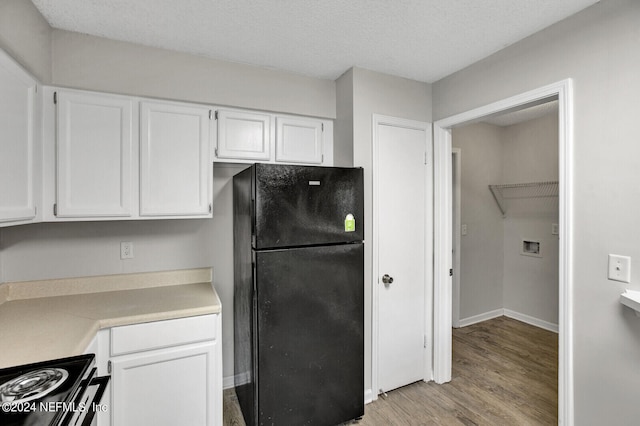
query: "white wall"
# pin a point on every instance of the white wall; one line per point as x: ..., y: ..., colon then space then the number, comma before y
x: 598, y: 49
x: 375, y: 93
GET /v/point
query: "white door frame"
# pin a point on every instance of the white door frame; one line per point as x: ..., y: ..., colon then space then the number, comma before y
x: 377, y: 120
x: 456, y: 216
x: 563, y: 90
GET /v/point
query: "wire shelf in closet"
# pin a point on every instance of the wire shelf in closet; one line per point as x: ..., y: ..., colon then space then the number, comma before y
x: 503, y: 193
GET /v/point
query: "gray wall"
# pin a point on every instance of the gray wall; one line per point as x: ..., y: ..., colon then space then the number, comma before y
x: 43, y: 251
x: 375, y: 93
x: 343, y: 128
x: 481, y: 250
x: 531, y: 283
x: 598, y: 49
x: 47, y: 250
x: 26, y: 36
x: 95, y: 63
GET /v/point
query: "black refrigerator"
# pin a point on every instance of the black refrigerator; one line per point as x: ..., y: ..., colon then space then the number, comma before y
x: 299, y: 294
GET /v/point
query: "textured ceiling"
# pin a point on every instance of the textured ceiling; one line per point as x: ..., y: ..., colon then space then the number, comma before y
x: 424, y: 40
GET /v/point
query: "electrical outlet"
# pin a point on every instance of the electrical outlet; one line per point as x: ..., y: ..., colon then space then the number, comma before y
x: 620, y: 268
x: 126, y: 250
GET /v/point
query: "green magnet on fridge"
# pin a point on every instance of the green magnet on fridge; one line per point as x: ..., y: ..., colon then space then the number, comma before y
x: 349, y: 223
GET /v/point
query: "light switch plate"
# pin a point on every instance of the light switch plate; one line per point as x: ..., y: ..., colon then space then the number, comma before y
x: 620, y: 268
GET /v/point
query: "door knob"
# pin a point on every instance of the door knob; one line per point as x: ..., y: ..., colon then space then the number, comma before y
x: 387, y: 279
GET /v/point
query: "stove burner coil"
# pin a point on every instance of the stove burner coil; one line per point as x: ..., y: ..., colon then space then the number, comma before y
x: 32, y: 385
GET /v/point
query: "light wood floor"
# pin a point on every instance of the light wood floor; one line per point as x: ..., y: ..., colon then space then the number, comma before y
x: 504, y: 372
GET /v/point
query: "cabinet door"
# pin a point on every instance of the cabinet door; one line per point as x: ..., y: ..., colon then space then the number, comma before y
x: 94, y: 155
x: 175, y: 164
x: 243, y: 135
x: 298, y: 140
x: 17, y: 109
x: 174, y: 386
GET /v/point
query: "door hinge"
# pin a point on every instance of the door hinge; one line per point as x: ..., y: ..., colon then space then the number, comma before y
x: 55, y: 209
x: 55, y: 98
x: 215, y: 150
x: 425, y: 158
x: 425, y: 340
x: 109, y: 367
x: 210, y: 207
x: 322, y: 127
x: 451, y: 272
x: 216, y: 115
x: 210, y: 114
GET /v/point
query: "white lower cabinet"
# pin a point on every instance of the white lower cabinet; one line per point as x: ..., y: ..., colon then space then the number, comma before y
x: 166, y: 387
x: 163, y: 373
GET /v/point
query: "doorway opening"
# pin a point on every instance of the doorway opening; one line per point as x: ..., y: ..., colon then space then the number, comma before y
x: 443, y: 232
x: 505, y: 218
x: 505, y: 251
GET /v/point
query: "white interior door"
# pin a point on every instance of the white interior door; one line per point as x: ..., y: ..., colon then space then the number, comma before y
x: 403, y: 207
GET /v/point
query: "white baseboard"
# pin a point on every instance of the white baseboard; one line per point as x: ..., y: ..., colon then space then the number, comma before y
x: 369, y: 397
x: 231, y: 381
x: 510, y: 314
x: 481, y: 317
x: 228, y: 382
x: 531, y: 320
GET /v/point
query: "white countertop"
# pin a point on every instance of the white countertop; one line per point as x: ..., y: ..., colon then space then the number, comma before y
x: 41, y: 320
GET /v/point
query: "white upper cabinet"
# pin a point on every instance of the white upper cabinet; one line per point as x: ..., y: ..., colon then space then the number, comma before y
x: 243, y: 135
x: 175, y: 172
x: 17, y: 125
x: 112, y: 157
x: 299, y: 140
x: 247, y: 137
x: 94, y: 155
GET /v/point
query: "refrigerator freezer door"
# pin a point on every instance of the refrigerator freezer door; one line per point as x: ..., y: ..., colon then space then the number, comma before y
x: 310, y: 307
x: 303, y: 205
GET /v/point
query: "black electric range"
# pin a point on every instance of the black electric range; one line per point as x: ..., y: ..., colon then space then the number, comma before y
x: 59, y: 392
